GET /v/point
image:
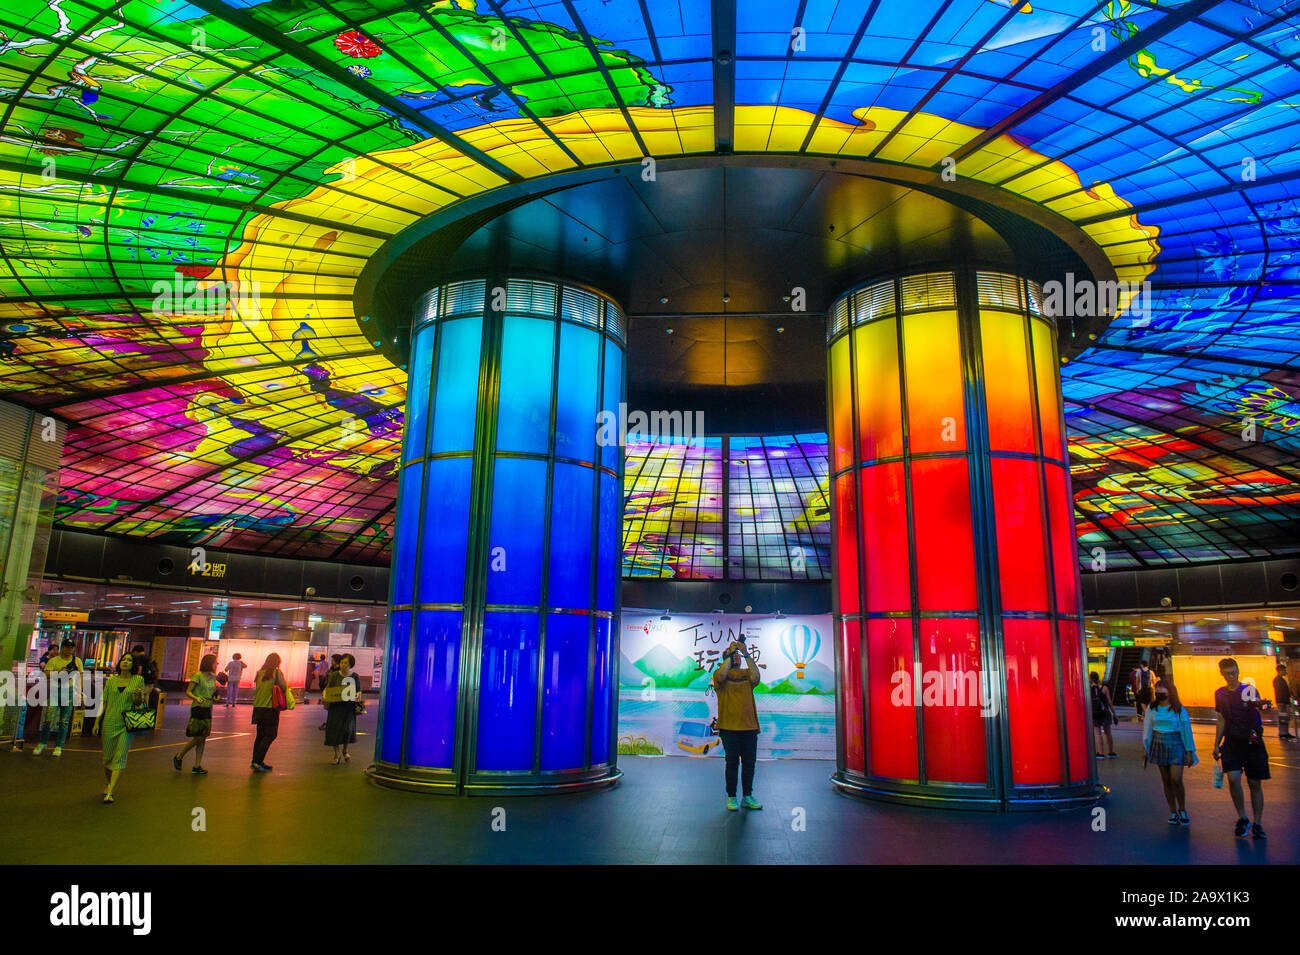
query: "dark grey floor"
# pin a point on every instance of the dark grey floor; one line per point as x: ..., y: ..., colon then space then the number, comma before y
x: 665, y: 810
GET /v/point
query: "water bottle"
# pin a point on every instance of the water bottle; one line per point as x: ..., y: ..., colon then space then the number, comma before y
x: 1218, y: 775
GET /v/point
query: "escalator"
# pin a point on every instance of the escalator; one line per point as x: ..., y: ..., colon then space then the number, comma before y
x: 1127, y: 660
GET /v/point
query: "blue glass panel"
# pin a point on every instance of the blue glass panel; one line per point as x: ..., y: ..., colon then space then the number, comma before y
x: 393, y: 687
x: 524, y: 404
x: 610, y: 561
x: 407, y: 533
x: 433, y: 689
x: 611, y: 454
x: 507, y: 711
x: 564, y: 691
x: 571, y: 537
x: 444, y: 531
x: 602, y: 698
x: 456, y: 387
x: 417, y: 394
x: 518, y: 507
x: 577, y: 392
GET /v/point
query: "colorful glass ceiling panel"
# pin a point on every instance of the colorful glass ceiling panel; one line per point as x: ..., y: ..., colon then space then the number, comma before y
x: 267, y: 150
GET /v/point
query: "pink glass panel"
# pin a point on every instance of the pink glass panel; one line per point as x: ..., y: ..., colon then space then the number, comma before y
x: 945, y: 549
x: 851, y: 693
x: 893, y: 716
x: 1022, y: 553
x: 1077, y: 724
x: 1031, y: 702
x: 846, y: 543
x: 880, y: 416
x: 954, y: 726
x: 884, y: 530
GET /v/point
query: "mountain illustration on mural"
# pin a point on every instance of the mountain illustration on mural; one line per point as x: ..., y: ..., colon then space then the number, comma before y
x: 628, y: 674
x: 666, y: 669
x: 817, y: 679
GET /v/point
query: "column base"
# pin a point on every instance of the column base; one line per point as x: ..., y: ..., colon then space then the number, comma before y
x: 1056, y: 799
x: 413, y: 780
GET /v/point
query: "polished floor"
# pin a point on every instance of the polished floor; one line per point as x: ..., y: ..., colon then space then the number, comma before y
x: 665, y: 810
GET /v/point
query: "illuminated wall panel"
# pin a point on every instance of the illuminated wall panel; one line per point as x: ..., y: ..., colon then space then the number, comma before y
x: 774, y: 524
x: 505, y: 585
x: 953, y: 546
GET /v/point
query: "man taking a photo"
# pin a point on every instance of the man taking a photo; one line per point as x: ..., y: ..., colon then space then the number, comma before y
x: 738, y: 721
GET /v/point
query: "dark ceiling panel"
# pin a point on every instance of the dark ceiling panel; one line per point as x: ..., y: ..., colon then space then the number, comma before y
x: 751, y: 235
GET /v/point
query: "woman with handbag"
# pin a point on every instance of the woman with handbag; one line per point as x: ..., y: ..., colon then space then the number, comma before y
x: 342, y: 696
x: 1167, y: 738
x: 270, y: 696
x: 124, y: 693
x: 202, y: 691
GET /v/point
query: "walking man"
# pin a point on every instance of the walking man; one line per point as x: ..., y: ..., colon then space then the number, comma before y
x: 62, y: 671
x: 234, y: 674
x: 1239, y: 743
x: 1282, y: 697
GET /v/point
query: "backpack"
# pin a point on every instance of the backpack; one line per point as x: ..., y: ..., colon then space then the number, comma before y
x: 1099, y: 706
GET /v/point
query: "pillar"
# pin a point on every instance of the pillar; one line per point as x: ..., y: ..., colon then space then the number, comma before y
x: 960, y: 662
x: 500, y: 666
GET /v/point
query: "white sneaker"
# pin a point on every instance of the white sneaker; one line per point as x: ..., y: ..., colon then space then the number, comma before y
x: 57, y: 751
x: 40, y: 748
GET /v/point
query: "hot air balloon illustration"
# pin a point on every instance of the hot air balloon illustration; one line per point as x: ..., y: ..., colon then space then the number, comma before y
x: 800, y: 644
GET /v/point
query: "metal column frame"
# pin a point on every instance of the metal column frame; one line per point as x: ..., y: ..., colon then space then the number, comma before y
x: 463, y: 778
x: 984, y: 529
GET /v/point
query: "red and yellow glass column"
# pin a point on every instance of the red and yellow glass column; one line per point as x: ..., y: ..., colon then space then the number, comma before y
x: 957, y: 600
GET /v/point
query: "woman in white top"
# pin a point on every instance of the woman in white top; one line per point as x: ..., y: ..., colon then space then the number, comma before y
x: 1167, y: 738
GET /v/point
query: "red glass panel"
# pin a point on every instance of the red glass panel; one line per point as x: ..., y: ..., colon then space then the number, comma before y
x: 1022, y: 552
x: 841, y: 406
x: 1031, y: 702
x: 880, y: 415
x: 1077, y: 709
x: 1007, y: 382
x: 1065, y: 548
x: 954, y: 726
x: 846, y: 543
x: 893, y: 714
x: 884, y: 534
x: 936, y: 409
x: 945, y: 548
x: 1047, y: 374
x: 851, y: 693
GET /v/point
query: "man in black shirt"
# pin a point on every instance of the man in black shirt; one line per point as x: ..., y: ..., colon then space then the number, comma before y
x: 1239, y: 743
x: 1282, y: 697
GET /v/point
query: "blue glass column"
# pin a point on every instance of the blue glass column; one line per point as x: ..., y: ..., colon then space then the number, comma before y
x: 499, y: 673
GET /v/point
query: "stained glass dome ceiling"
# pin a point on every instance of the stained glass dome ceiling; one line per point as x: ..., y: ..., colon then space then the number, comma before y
x: 277, y: 146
